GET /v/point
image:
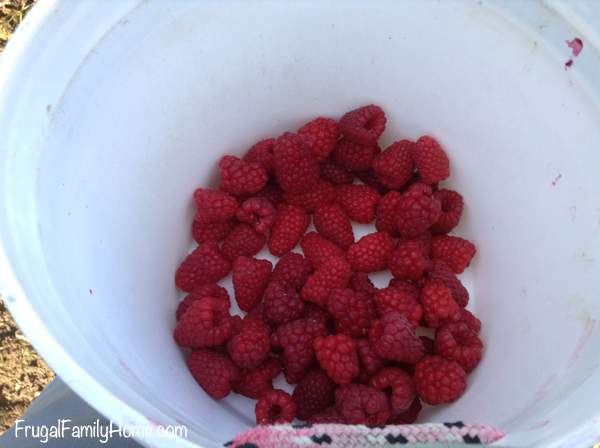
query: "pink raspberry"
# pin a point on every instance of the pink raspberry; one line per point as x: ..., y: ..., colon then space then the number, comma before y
x: 320, y: 135
x: 275, y: 406
x: 296, y: 169
x: 337, y: 356
x: 371, y: 253
x: 392, y: 299
x: 431, y: 160
x: 439, y: 381
x: 321, y: 193
x: 417, y: 211
x: 386, y: 214
x: 358, y: 201
x: 354, y: 156
x: 393, y: 337
x: 334, y: 224
x: 250, y: 278
x: 257, y: 212
x: 399, y: 383
x: 319, y: 250
x: 352, y: 312
x: 370, y: 362
x: 457, y: 342
x: 456, y: 252
x: 282, y: 302
x: 452, y: 208
x: 213, y: 371
x: 262, y: 153
x: 208, y: 290
x: 438, y: 305
x: 206, y: 264
x: 470, y: 320
x: 243, y: 240
x: 239, y: 177
x: 409, y: 261
x: 293, y: 269
x: 394, y: 166
x: 336, y: 174
x: 214, y: 206
x: 360, y: 282
x: 362, y: 405
x: 364, y: 125
x: 254, y: 383
x: 335, y: 274
x: 206, y: 323
x: 313, y: 394
x: 290, y: 224
x: 441, y: 273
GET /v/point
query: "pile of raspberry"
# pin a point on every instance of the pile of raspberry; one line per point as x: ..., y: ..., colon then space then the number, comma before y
x: 355, y: 353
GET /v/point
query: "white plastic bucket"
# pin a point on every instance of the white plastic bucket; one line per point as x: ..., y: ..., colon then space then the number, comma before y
x: 113, y: 112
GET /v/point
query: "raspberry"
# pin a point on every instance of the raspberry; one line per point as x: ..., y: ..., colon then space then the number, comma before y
x: 319, y: 250
x: 239, y: 177
x: 271, y: 193
x: 275, y: 406
x: 428, y: 345
x: 369, y: 178
x: 409, y: 261
x: 354, y: 156
x: 335, y: 274
x: 455, y: 251
x: 313, y: 394
x: 452, y: 208
x: 431, y: 160
x: 290, y: 224
x: 204, y: 232
x: 386, y: 214
x: 352, y: 311
x: 315, y: 312
x: 206, y: 323
x: 360, y: 404
x: 251, y: 345
x: 407, y: 287
x: 214, y: 206
x: 438, y: 305
x: 394, y: 167
x: 425, y: 240
x: 363, y: 125
x: 262, y: 153
x: 209, y: 290
x: 332, y: 222
x: 393, y: 337
x: 282, y: 302
x: 292, y: 268
x: 371, y: 253
x: 470, y: 320
x: 336, y: 174
x: 370, y: 362
x: 296, y: 339
x: 393, y: 299
x: 439, y: 381
x: 206, y: 264
x: 457, y: 342
x: 254, y: 383
x: 337, y: 356
x: 320, y: 135
x: 250, y: 278
x: 399, y: 383
x: 257, y: 212
x: 213, y: 371
x: 358, y: 201
x: 410, y: 415
x: 329, y: 415
x: 360, y: 282
x: 442, y: 273
x: 296, y: 169
x: 321, y: 193
x: 417, y: 211
x: 242, y: 241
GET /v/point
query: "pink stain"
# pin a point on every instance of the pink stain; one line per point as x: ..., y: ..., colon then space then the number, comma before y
x: 576, y: 45
x: 588, y: 329
x: 556, y: 180
x: 546, y: 386
x: 538, y: 425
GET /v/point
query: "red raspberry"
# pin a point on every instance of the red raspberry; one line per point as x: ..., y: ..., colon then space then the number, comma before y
x: 354, y: 156
x: 363, y: 125
x: 442, y: 273
x: 409, y: 261
x: 239, y: 177
x: 425, y: 240
x: 410, y: 415
x: 438, y: 305
x: 452, y: 208
x: 296, y: 339
x: 271, y: 193
x: 386, y: 214
x: 369, y: 178
x: 206, y: 264
x: 251, y: 346
x: 204, y: 232
x: 431, y: 160
x: 329, y: 415
x: 417, y: 211
x: 242, y: 241
x: 250, y: 278
x: 336, y: 174
x: 457, y: 342
x: 315, y: 312
x: 319, y: 250
x: 358, y: 201
x: 337, y: 356
x: 206, y: 323
x: 254, y: 383
x: 262, y: 153
x: 296, y: 169
x: 399, y: 383
x: 438, y: 381
x: 470, y: 320
x: 370, y: 362
x: 214, y: 206
x: 209, y: 290
x: 292, y: 268
x: 360, y: 282
x: 407, y: 287
x: 335, y: 274
x: 213, y: 371
x: 428, y: 345
x: 393, y: 337
x: 320, y: 135
x: 313, y: 394
x: 322, y: 193
x: 275, y: 406
x: 290, y: 224
x: 392, y: 299
x: 360, y: 404
x: 371, y: 253
x: 257, y: 212
x: 455, y: 251
x: 352, y: 311
x: 282, y: 302
x: 332, y: 222
x: 394, y: 167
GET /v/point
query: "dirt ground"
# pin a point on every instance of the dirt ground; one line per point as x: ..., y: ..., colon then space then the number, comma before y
x: 23, y: 374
